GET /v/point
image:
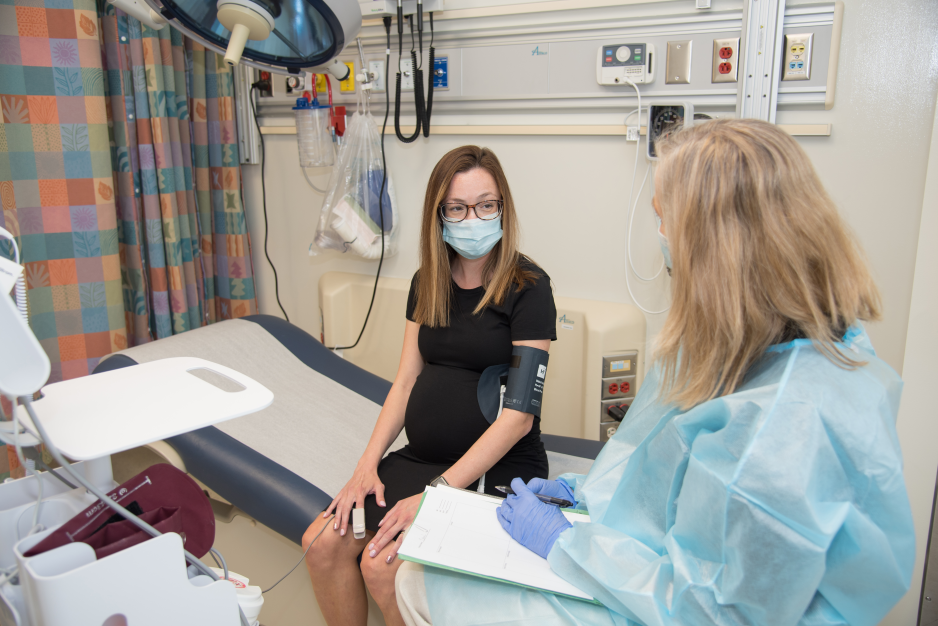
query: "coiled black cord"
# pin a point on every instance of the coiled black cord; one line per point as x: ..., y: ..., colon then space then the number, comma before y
x: 423, y: 106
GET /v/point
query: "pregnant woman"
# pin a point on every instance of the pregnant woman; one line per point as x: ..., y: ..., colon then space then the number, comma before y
x: 473, y: 300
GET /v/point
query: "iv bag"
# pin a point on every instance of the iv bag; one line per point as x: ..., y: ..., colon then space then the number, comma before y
x: 351, y: 218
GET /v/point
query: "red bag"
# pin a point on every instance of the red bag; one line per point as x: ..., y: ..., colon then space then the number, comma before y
x: 162, y: 496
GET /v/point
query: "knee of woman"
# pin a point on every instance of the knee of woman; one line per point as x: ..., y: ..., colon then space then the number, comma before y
x: 378, y: 575
x: 324, y: 543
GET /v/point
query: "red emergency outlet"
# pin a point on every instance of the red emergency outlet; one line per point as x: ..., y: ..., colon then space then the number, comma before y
x: 726, y: 68
x: 624, y: 387
x: 726, y: 52
x: 614, y: 387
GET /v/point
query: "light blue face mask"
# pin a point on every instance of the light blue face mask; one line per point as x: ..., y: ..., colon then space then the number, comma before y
x: 472, y: 239
x: 663, y: 241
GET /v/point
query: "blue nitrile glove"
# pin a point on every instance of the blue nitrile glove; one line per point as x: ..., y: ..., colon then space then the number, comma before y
x: 552, y: 488
x: 530, y: 522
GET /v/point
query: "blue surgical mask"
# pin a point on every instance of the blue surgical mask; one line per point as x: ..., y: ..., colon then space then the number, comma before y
x: 663, y: 242
x: 472, y: 239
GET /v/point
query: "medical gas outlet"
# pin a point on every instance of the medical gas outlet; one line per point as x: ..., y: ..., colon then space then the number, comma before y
x: 621, y: 63
x: 797, y: 64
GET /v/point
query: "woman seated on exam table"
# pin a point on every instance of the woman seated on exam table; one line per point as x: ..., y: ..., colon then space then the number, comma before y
x: 473, y: 298
x: 757, y: 477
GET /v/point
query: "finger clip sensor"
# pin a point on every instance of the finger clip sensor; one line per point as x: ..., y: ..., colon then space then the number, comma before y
x: 358, y: 523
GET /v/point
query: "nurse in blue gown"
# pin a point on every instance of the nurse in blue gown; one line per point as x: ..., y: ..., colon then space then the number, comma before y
x: 757, y: 477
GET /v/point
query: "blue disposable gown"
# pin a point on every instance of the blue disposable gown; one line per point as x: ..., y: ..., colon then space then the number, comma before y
x: 782, y: 503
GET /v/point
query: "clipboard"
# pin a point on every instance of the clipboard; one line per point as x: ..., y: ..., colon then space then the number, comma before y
x: 457, y: 530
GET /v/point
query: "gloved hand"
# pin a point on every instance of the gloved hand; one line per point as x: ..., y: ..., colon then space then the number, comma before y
x: 529, y: 521
x: 552, y: 488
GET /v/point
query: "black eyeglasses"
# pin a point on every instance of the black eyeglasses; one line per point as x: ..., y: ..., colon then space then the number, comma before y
x: 456, y: 212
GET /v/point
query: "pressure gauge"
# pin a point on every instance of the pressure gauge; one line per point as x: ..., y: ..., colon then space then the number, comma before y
x: 295, y: 83
x: 665, y: 118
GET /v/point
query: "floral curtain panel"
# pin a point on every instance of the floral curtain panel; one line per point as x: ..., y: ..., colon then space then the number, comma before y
x: 126, y: 208
x: 184, y: 244
x: 56, y: 183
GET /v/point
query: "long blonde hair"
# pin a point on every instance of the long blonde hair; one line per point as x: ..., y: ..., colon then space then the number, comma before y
x: 502, y: 268
x: 760, y: 255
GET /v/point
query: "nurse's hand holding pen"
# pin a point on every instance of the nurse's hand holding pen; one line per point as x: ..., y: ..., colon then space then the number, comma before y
x: 530, y: 522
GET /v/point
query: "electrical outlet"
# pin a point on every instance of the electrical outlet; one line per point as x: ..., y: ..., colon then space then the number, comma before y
x: 406, y: 69
x: 376, y: 68
x: 797, y: 63
x: 725, y: 60
x: 348, y: 85
x: 267, y: 90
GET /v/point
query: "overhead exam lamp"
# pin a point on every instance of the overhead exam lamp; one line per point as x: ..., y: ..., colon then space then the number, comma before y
x: 283, y: 36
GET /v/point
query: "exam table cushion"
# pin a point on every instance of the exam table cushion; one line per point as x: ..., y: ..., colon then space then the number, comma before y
x: 283, y: 465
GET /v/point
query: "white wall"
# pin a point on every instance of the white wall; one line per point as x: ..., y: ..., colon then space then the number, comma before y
x: 918, y: 428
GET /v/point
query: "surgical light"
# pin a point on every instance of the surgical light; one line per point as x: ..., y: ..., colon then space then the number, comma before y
x: 285, y: 36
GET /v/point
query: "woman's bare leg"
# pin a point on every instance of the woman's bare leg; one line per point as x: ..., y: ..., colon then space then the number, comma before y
x: 379, y: 576
x: 337, y: 579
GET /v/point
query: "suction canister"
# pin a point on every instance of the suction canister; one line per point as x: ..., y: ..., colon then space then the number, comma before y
x: 313, y: 133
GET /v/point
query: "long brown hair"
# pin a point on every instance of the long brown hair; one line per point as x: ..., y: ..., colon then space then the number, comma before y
x: 502, y: 268
x: 760, y: 255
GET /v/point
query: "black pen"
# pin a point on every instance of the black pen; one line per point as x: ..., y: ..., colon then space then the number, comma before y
x: 564, y: 504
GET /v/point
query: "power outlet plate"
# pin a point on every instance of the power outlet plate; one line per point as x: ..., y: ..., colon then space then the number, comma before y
x: 406, y: 69
x: 725, y: 61
x: 678, y: 64
x: 797, y: 60
x: 376, y: 68
x: 268, y: 92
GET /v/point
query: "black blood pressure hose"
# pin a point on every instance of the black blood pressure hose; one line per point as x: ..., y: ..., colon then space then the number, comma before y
x: 423, y: 106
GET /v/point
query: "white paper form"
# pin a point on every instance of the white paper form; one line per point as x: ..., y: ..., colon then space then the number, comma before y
x: 459, y: 530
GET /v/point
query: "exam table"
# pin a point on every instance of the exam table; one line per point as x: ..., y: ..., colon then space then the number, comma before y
x: 282, y: 466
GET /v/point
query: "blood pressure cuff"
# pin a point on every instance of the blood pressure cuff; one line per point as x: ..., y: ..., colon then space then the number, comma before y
x: 523, y: 379
x: 164, y: 497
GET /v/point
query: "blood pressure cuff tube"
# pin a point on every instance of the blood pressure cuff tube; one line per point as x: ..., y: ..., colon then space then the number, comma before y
x: 526, y: 373
x: 489, y: 391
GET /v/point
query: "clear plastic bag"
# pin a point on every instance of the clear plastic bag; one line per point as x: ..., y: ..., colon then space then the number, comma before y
x: 351, y: 219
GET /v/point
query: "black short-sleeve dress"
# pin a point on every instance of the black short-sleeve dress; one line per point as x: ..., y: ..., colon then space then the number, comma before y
x: 443, y: 419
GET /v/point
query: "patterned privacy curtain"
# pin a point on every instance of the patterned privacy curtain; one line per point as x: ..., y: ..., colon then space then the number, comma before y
x: 127, y: 212
x: 184, y: 246
x: 56, y: 182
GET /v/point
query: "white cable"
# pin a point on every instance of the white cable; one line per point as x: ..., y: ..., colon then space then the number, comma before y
x: 306, y: 176
x: 223, y: 565
x: 630, y: 210
x: 628, y: 241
